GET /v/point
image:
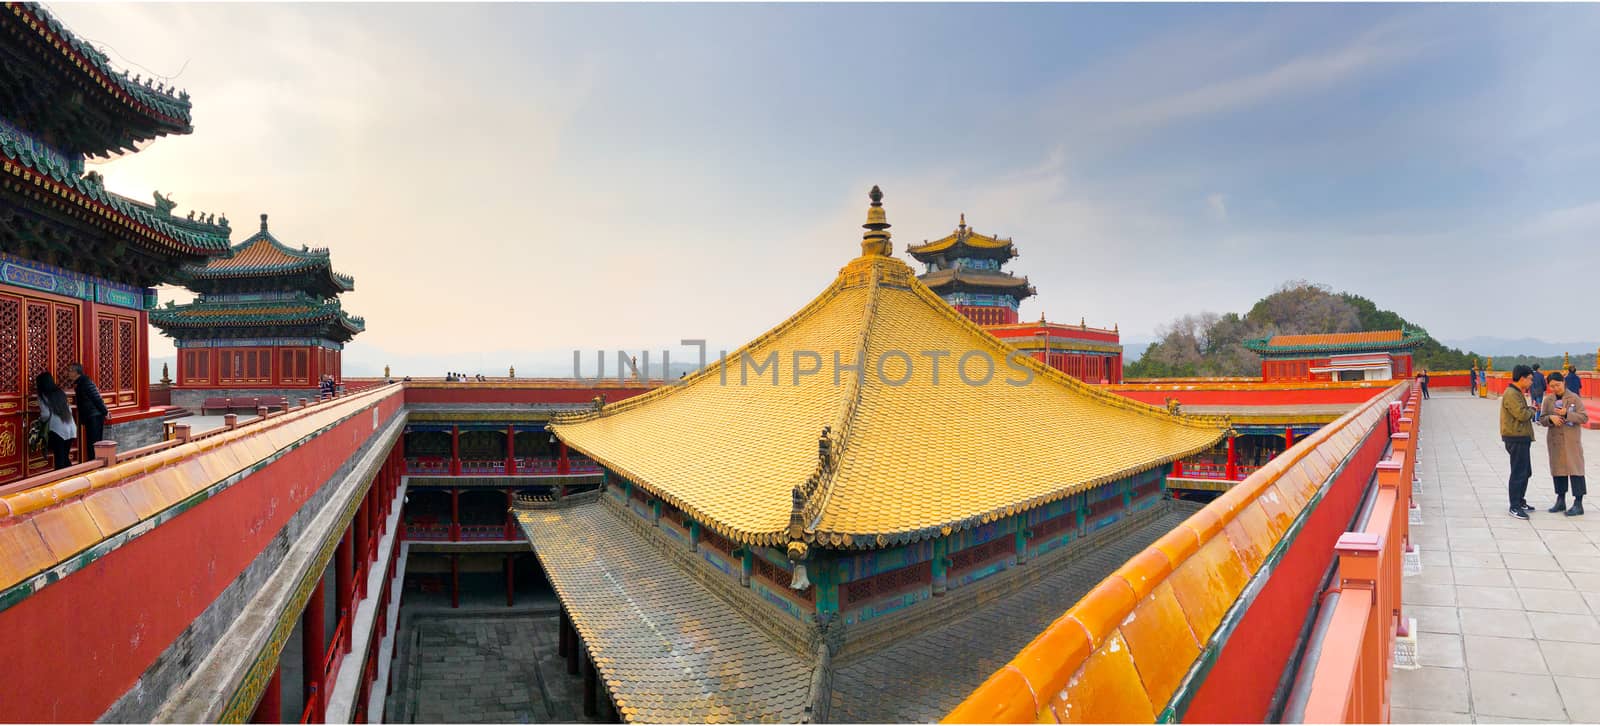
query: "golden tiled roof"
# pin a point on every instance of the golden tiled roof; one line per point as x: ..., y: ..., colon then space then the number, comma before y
x: 964, y: 235
x: 1375, y: 336
x: 905, y: 460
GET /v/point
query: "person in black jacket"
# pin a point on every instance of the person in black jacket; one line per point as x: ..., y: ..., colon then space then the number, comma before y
x: 92, y: 410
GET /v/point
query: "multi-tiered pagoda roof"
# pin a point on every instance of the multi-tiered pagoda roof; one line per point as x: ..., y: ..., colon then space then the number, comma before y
x: 964, y: 268
x: 263, y: 288
x: 262, y: 263
x: 60, y: 100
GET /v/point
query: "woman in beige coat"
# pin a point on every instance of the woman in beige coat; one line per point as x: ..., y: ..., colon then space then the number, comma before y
x: 1563, y: 412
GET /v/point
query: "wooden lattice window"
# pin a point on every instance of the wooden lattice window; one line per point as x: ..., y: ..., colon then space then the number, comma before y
x: 982, y: 554
x: 1054, y: 526
x: 127, y: 349
x: 11, y: 346
x: 716, y: 541
x: 106, y: 358
x: 778, y: 578
x: 887, y: 584
x: 39, y: 335
x: 66, y: 336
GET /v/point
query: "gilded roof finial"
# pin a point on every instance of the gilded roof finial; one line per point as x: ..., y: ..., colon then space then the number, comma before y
x: 963, y: 224
x: 875, y: 241
x: 263, y: 222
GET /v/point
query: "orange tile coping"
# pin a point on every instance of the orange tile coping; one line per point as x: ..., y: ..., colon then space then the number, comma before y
x: 46, y: 525
x: 1120, y: 653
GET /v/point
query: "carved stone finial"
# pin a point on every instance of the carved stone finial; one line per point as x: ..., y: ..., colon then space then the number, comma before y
x: 875, y: 241
x: 513, y: 373
x: 386, y: 371
x: 263, y: 222
x: 166, y: 378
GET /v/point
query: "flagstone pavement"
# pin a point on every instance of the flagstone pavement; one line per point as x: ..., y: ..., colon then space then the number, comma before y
x: 1505, y: 610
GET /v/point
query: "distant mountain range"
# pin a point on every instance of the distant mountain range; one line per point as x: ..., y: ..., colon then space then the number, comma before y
x: 1483, y: 345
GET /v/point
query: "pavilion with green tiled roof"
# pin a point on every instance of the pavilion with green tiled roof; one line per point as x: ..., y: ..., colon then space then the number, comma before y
x: 267, y: 316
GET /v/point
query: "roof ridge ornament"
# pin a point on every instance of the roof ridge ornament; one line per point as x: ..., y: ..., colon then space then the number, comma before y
x: 875, y: 241
x: 263, y: 222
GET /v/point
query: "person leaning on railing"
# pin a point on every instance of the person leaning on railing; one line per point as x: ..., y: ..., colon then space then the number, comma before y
x: 1516, y: 430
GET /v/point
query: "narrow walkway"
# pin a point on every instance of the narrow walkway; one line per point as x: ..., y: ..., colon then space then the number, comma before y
x: 1505, y: 610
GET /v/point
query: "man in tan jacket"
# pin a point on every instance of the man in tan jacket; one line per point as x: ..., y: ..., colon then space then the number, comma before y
x: 1563, y: 413
x: 1516, y: 430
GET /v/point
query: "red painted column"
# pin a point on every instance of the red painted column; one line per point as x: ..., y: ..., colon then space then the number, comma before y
x: 359, y: 534
x: 344, y: 571
x: 455, y: 449
x: 511, y: 450
x: 455, y: 515
x: 270, y: 708
x: 511, y: 598
x: 313, y: 650
x: 375, y: 523
x: 455, y: 581
x: 1232, y: 472
x: 562, y: 465
x: 511, y: 520
x: 1288, y: 438
x: 1177, y: 467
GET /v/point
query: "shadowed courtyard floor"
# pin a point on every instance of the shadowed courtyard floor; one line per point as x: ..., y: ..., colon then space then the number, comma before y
x: 1505, y: 609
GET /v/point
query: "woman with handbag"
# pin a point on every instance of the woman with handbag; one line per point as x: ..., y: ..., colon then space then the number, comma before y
x: 57, y: 418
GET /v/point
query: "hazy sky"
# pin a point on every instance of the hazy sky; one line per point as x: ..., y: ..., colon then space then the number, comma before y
x: 514, y: 181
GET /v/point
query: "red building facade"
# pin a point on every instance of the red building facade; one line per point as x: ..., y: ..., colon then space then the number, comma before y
x: 1366, y: 356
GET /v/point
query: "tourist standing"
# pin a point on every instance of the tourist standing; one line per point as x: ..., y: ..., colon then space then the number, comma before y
x: 1537, y: 391
x: 1472, y: 381
x: 92, y: 409
x: 1516, y: 430
x: 57, y: 415
x: 1422, y: 378
x: 1574, y: 381
x: 1565, y: 416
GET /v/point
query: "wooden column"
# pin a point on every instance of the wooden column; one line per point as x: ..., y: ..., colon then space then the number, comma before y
x: 562, y: 465
x: 455, y: 450
x: 455, y: 581
x: 563, y: 643
x: 511, y: 450
x: 313, y: 647
x: 574, y: 644
x: 361, y: 533
x: 1288, y: 438
x: 511, y: 519
x: 270, y: 708
x: 1232, y: 472
x: 455, y: 514
x: 343, y: 569
x: 511, y: 569
x: 591, y: 689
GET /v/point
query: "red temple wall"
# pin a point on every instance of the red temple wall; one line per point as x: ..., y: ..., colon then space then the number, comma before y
x: 89, y: 637
x: 1240, y: 685
x: 517, y: 393
x: 1249, y: 394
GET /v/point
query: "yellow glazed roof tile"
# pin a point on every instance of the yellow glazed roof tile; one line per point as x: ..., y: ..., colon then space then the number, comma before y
x: 913, y: 453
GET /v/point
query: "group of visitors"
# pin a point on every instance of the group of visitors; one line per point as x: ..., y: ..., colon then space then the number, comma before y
x: 327, y: 386
x: 1558, y: 408
x: 462, y: 378
x: 56, y: 414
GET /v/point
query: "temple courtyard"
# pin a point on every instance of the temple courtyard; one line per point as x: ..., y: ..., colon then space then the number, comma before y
x: 1505, y: 610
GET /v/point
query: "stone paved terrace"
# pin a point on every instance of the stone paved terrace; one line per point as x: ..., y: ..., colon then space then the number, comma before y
x: 1505, y: 610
